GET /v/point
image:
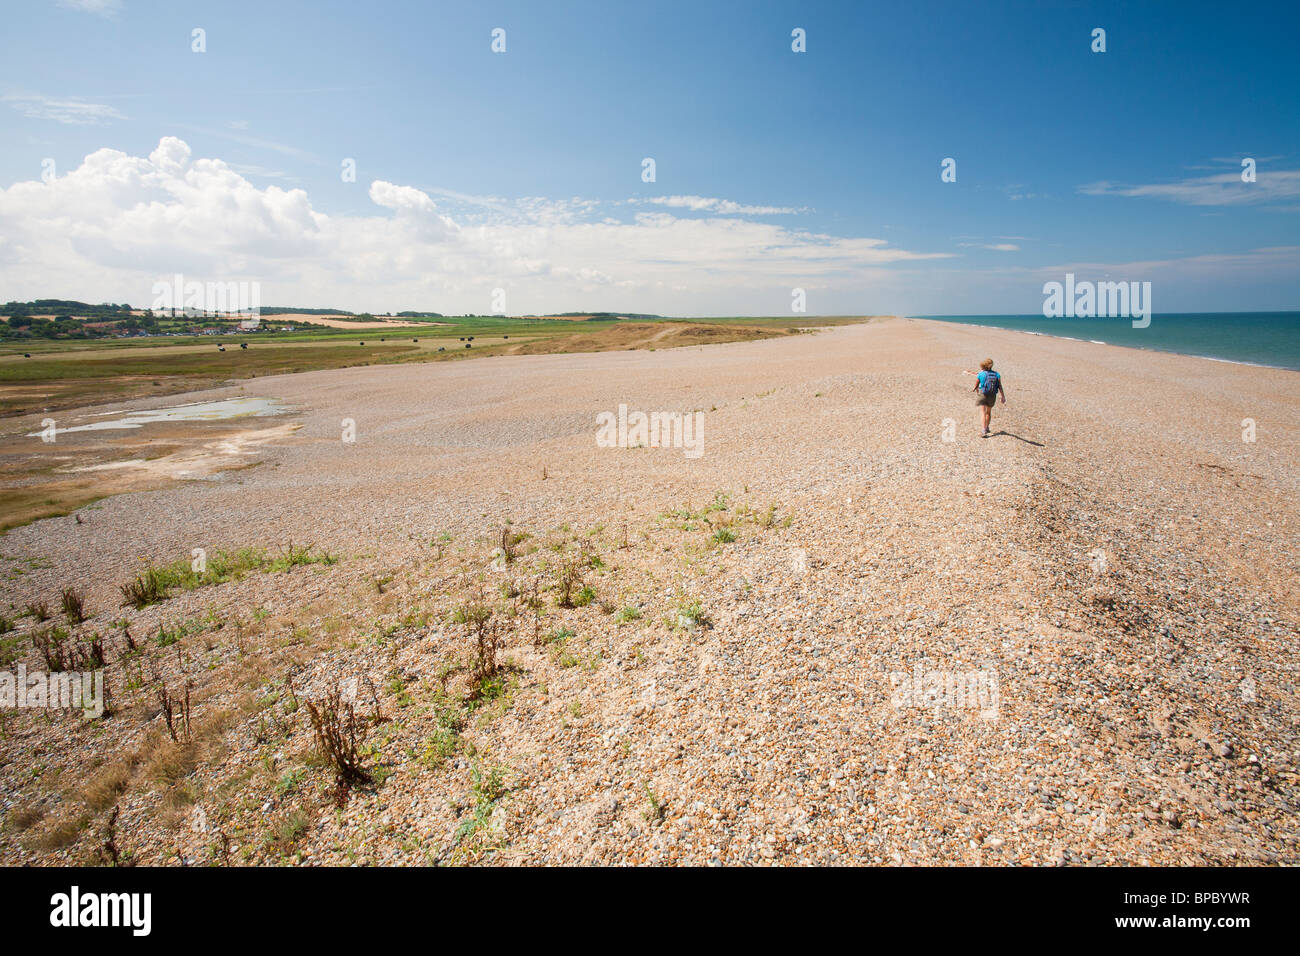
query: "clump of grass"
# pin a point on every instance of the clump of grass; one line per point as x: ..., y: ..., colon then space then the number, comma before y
x: 440, y: 543
x: 74, y: 606
x: 147, y: 588
x: 52, y: 646
x: 586, y: 594
x: 561, y: 635
x: 508, y: 540
x: 91, y: 656
x: 288, y: 783
x: 559, y: 639
x: 167, y: 636
x: 169, y: 764
x: 155, y: 584
x: 9, y: 650
x: 292, y: 828
x: 439, y: 747
x: 24, y: 818
x: 103, y: 789
x: 63, y: 832
x: 397, y: 687
x: 487, y: 791
x: 293, y: 556
x: 40, y: 610
x: 724, y: 536
x: 445, y: 739
x: 6, y: 625
x: 628, y: 613
x: 489, y: 689
x: 61, y: 655
x: 569, y: 577
x: 655, y: 809
x: 691, y: 615
x: 441, y: 744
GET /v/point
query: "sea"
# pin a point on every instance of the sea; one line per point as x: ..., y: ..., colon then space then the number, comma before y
x: 1251, y: 338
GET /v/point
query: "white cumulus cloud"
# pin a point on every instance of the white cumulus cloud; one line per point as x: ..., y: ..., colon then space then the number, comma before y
x: 110, y: 228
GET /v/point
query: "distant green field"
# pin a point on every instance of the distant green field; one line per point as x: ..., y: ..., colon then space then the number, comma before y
x: 454, y: 329
x: 66, y: 373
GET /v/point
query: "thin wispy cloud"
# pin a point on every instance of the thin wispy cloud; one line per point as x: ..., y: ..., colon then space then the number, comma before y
x: 262, y: 172
x: 103, y: 8
x: 994, y: 246
x: 69, y: 111
x: 526, y: 210
x: 258, y: 142
x: 1217, y: 163
x: 1018, y: 191
x: 1261, y: 263
x: 1223, y: 189
x: 724, y: 207
x: 1182, y: 283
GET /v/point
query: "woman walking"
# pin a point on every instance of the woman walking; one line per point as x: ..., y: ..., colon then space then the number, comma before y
x: 988, y: 386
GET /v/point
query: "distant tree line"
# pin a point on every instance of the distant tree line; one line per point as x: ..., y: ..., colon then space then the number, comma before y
x: 33, y: 320
x: 606, y: 315
x: 288, y: 310
x: 19, y: 326
x: 65, y: 308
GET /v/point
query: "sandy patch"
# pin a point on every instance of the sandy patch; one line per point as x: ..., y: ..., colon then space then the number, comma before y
x: 275, y: 321
x: 230, y: 451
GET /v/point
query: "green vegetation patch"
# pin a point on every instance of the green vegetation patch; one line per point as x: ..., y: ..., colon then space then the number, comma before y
x: 155, y: 584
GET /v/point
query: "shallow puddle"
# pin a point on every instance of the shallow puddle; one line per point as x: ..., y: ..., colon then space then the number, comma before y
x: 195, y: 412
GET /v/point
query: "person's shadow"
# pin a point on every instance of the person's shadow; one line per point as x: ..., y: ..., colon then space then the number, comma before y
x: 1036, y: 444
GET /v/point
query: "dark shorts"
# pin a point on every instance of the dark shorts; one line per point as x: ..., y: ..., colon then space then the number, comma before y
x: 989, y: 400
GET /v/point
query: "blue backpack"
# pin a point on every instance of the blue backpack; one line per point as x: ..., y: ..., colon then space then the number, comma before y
x: 991, y: 382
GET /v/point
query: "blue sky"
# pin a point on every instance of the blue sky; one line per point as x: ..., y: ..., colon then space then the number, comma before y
x: 521, y: 170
